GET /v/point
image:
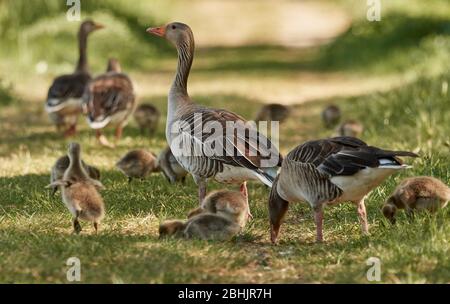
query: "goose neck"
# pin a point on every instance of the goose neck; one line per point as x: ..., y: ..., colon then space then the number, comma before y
x: 82, y: 65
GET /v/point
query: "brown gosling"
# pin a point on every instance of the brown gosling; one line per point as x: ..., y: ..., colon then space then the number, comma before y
x: 331, y: 116
x: 232, y: 205
x: 273, y: 112
x: 417, y: 193
x: 204, y: 226
x: 170, y: 167
x: 61, y: 166
x: 351, y: 128
x: 138, y: 164
x: 147, y: 118
x: 80, y: 192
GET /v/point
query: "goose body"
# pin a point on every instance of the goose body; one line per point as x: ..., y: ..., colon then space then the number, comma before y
x: 109, y: 100
x: 64, y: 97
x: 229, y: 161
x: 331, y: 171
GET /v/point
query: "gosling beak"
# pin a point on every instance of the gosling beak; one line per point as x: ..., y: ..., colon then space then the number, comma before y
x: 98, y: 26
x: 158, y: 31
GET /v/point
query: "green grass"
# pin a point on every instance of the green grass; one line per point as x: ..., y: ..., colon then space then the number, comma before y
x: 35, y: 228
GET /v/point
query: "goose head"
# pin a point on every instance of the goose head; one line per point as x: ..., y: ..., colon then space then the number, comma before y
x: 89, y: 26
x: 176, y: 32
x: 113, y: 66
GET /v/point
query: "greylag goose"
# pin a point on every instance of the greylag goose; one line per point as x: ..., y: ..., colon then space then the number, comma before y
x: 147, y: 118
x: 64, y: 98
x: 80, y: 192
x: 330, y: 171
x: 204, y: 226
x: 137, y: 164
x: 351, y: 128
x: 229, y: 204
x: 273, y: 112
x: 199, y: 137
x: 331, y: 116
x: 109, y: 101
x: 170, y: 167
x: 417, y: 193
x: 61, y: 166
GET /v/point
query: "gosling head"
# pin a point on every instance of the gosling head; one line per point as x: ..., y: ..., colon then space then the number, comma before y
x: 170, y: 228
x: 389, y: 210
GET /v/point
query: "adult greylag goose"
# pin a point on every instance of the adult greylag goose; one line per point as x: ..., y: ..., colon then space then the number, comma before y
x: 273, y: 112
x: 330, y: 171
x: 64, y: 98
x: 147, y: 118
x: 417, y: 194
x: 80, y: 192
x: 198, y: 135
x: 109, y: 101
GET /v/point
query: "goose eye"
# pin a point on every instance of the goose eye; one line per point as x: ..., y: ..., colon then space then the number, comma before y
x: 174, y: 27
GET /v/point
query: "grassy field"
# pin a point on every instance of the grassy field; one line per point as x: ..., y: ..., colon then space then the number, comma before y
x: 405, y: 104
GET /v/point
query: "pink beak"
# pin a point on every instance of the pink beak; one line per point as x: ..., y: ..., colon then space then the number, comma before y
x: 158, y: 31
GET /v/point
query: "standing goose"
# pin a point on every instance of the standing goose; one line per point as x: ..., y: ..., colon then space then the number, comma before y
x: 330, y: 171
x: 110, y: 101
x: 230, y: 162
x: 64, y: 98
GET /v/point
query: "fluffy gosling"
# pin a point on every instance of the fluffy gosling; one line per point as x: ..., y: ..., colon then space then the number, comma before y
x: 273, y: 112
x: 138, y: 164
x: 80, y: 192
x: 331, y: 116
x: 147, y: 118
x: 170, y: 167
x: 61, y: 166
x: 417, y: 193
x: 351, y: 128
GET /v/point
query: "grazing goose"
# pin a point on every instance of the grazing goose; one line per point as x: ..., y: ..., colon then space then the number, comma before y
x: 331, y: 116
x: 109, y: 100
x: 351, y: 128
x: 64, y: 98
x: 147, y: 118
x: 80, y: 192
x: 330, y: 171
x: 61, y: 166
x: 224, y: 156
x: 229, y: 204
x: 417, y: 193
x: 273, y: 112
x: 137, y: 164
x: 170, y: 167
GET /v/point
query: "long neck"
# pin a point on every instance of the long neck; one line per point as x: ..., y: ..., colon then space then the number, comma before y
x: 76, y: 167
x: 82, y: 65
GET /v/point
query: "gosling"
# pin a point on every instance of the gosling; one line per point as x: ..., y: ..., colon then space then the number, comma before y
x: 232, y: 205
x: 80, y: 192
x: 147, y: 118
x: 331, y: 116
x: 138, y: 164
x: 61, y: 166
x: 204, y: 226
x: 351, y: 128
x: 273, y: 112
x: 417, y: 193
x: 170, y: 167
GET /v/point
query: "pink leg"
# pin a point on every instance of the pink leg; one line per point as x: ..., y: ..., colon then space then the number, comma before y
x: 102, y: 139
x: 244, y: 192
x: 71, y: 131
x: 201, y: 191
x: 363, y: 216
x: 119, y: 132
x: 318, y: 218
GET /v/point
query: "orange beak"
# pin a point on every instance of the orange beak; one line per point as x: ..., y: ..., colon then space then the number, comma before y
x: 98, y: 26
x: 158, y: 31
